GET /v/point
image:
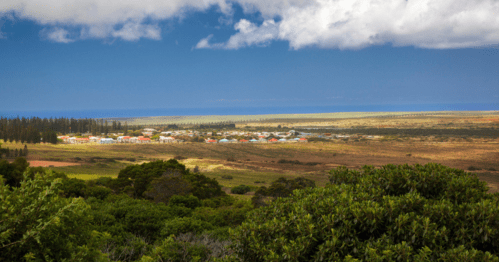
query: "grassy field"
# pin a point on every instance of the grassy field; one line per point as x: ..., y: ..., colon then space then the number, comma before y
x: 342, y: 120
x: 248, y: 163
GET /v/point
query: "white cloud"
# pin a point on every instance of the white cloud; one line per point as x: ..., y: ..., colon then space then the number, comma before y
x: 58, y: 35
x: 344, y: 24
x: 134, y: 31
x: 249, y: 34
x: 353, y: 24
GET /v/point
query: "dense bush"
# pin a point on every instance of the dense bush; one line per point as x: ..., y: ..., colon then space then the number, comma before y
x: 184, y: 225
x: 240, y: 190
x: 282, y: 187
x: 189, y: 201
x: 396, y: 213
x: 37, y: 224
x: 142, y: 175
x: 173, y: 250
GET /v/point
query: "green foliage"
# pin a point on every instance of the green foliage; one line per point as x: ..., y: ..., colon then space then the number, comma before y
x: 13, y: 172
x: 184, y: 225
x: 189, y: 201
x: 232, y: 215
x: 168, y: 185
x: 282, y: 187
x: 98, y: 192
x: 396, y: 213
x: 37, y: 224
x: 240, y: 190
x: 204, y: 187
x: 73, y: 187
x: 142, y: 175
x: 177, y: 251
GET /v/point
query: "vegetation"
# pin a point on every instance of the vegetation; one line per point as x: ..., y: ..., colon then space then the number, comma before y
x: 161, y: 211
x: 34, y: 130
x: 240, y: 190
x: 396, y: 213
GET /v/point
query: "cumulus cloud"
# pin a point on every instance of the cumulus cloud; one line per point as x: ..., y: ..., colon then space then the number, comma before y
x: 353, y: 24
x: 58, y: 35
x: 344, y: 24
x: 249, y: 34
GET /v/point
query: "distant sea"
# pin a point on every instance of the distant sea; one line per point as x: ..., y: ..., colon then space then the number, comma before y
x: 127, y: 113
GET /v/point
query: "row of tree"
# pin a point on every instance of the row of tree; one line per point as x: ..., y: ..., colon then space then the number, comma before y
x: 13, y: 153
x: 33, y: 130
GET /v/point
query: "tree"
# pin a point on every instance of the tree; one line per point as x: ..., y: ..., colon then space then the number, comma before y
x: 38, y: 225
x: 282, y: 187
x: 396, y: 213
x: 166, y: 186
x: 25, y: 150
x: 142, y: 175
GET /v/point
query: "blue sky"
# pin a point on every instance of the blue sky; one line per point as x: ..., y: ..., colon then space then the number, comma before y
x: 90, y: 54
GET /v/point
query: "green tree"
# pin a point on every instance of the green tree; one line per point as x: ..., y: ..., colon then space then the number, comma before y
x: 396, y: 213
x: 142, y: 175
x: 38, y: 225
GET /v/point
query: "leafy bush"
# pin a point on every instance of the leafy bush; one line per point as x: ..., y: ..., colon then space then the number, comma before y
x: 189, y: 201
x: 73, y: 187
x: 240, y: 190
x: 183, y: 225
x: 37, y: 224
x: 396, y: 213
x: 282, y: 187
x: 98, y: 192
x: 142, y: 175
x: 174, y: 250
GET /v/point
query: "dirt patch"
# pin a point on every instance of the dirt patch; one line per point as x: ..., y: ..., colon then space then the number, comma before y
x: 37, y: 163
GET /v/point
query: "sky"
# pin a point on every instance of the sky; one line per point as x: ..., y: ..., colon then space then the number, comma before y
x: 128, y: 54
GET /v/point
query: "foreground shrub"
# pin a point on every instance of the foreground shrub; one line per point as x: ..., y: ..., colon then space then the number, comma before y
x: 188, y: 248
x: 37, y: 224
x: 240, y: 190
x: 396, y: 213
x: 184, y: 225
x: 282, y: 187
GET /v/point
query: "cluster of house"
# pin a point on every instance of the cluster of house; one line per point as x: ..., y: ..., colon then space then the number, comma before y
x: 95, y: 139
x: 175, y: 137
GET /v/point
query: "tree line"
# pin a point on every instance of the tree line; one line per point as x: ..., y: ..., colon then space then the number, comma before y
x: 35, y: 129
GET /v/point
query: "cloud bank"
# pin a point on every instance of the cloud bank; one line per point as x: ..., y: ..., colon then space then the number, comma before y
x: 343, y: 24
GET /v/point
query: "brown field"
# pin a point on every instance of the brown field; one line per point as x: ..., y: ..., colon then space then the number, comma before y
x: 406, y: 121
x: 36, y: 163
x: 249, y: 163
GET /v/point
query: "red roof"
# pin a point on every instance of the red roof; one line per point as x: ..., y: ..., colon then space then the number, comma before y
x: 273, y: 140
x: 83, y: 138
x: 144, y: 139
x: 261, y: 136
x: 303, y: 138
x: 211, y: 141
x: 243, y: 140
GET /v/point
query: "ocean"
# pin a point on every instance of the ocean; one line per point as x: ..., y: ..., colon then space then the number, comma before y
x: 127, y: 113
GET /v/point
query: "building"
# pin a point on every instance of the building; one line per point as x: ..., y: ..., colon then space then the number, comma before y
x: 143, y: 140
x: 107, y: 141
x: 166, y: 139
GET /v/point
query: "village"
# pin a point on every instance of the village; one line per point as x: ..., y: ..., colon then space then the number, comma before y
x: 150, y: 135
